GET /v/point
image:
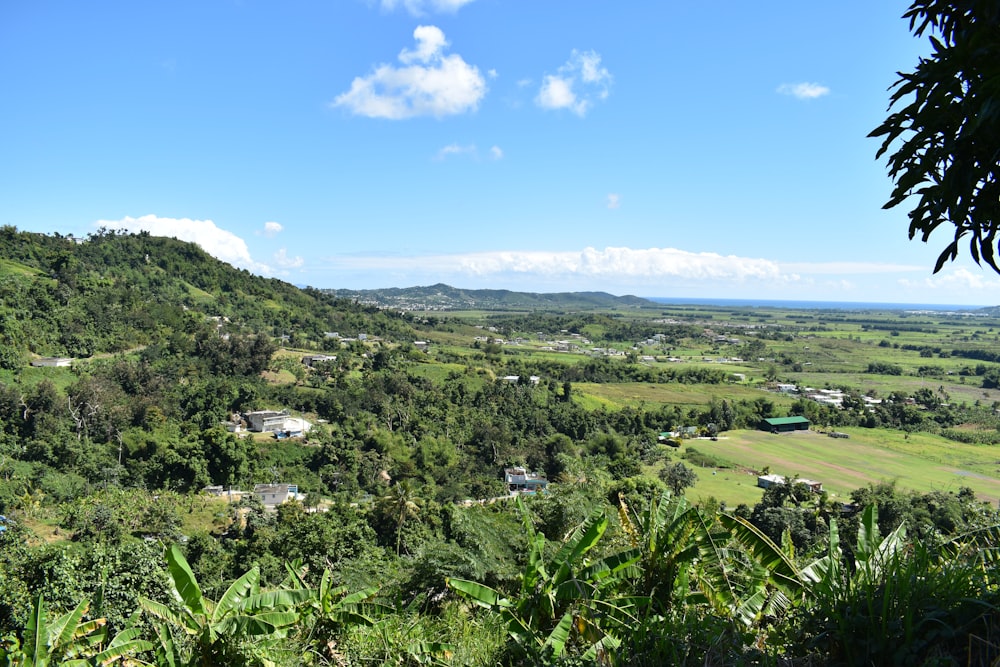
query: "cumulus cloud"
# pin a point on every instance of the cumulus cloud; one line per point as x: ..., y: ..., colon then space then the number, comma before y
x: 614, y: 201
x: 803, y: 91
x: 577, y: 84
x: 272, y: 229
x: 496, y: 152
x: 421, y: 7
x: 429, y: 83
x: 214, y: 240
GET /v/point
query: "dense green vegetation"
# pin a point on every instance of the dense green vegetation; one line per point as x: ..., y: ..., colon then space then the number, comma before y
x: 406, y: 547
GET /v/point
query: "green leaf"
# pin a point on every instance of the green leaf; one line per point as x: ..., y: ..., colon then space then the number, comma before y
x: 36, y: 634
x: 556, y: 641
x: 582, y: 541
x: 185, y: 585
x: 478, y: 593
x: 236, y: 594
x: 163, y: 612
x: 781, y: 570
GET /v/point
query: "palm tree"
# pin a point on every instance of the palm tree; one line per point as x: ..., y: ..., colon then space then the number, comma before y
x: 400, y: 504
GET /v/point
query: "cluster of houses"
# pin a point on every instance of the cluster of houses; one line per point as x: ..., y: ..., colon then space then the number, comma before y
x: 831, y: 397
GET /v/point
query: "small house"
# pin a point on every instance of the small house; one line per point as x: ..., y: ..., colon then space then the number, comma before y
x: 272, y: 495
x: 519, y: 480
x: 767, y: 481
x: 52, y: 362
x: 313, y: 359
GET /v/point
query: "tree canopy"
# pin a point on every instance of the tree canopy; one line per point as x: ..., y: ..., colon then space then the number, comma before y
x: 945, y: 130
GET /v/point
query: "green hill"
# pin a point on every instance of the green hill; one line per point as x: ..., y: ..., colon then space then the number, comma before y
x: 112, y: 292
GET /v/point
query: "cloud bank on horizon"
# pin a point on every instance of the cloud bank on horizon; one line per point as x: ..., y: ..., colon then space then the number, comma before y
x: 641, y: 271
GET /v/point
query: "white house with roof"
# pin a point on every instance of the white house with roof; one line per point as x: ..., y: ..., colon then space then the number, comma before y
x: 272, y: 495
x: 266, y: 421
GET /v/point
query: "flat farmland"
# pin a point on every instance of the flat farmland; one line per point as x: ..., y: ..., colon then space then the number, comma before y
x: 921, y: 462
x: 633, y: 393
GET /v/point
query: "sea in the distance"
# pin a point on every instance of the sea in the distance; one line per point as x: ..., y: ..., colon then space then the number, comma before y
x: 808, y: 305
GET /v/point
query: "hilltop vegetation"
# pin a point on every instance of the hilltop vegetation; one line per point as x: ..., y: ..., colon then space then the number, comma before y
x: 114, y: 292
x: 387, y: 555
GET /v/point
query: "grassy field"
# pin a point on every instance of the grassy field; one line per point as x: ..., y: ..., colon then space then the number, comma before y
x: 688, y: 395
x: 921, y: 462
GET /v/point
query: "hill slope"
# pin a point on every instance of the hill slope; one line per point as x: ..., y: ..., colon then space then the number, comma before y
x: 112, y: 292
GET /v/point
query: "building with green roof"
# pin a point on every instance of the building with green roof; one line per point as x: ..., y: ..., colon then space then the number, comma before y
x: 784, y: 424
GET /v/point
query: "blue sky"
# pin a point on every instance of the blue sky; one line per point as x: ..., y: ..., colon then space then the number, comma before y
x: 650, y: 148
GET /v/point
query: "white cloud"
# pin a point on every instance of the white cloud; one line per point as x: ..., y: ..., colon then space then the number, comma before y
x: 455, y: 149
x: 496, y: 152
x: 577, y: 85
x: 430, y: 83
x: 492, y: 73
x: 557, y: 93
x: 430, y: 42
x: 421, y: 7
x: 803, y: 91
x: 958, y: 281
x: 614, y: 200
x: 610, y: 263
x: 272, y: 229
x: 282, y: 259
x: 850, y: 268
x: 214, y: 240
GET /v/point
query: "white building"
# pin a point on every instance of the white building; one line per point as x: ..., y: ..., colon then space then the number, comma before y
x: 272, y: 495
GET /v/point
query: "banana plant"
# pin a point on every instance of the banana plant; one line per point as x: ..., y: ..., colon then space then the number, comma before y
x: 894, y: 596
x: 565, y: 598
x: 772, y: 584
x: 330, y: 609
x: 685, y: 559
x: 244, y: 618
x: 69, y: 640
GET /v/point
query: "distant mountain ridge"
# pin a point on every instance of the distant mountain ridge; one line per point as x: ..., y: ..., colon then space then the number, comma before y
x: 446, y: 297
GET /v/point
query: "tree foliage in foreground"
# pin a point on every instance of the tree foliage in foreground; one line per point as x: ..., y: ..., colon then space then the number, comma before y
x: 945, y: 130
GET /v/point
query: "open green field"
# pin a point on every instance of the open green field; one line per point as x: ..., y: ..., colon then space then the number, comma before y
x: 621, y: 394
x: 921, y: 462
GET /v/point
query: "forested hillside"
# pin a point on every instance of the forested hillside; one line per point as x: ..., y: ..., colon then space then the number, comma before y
x: 113, y: 292
x: 404, y: 544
